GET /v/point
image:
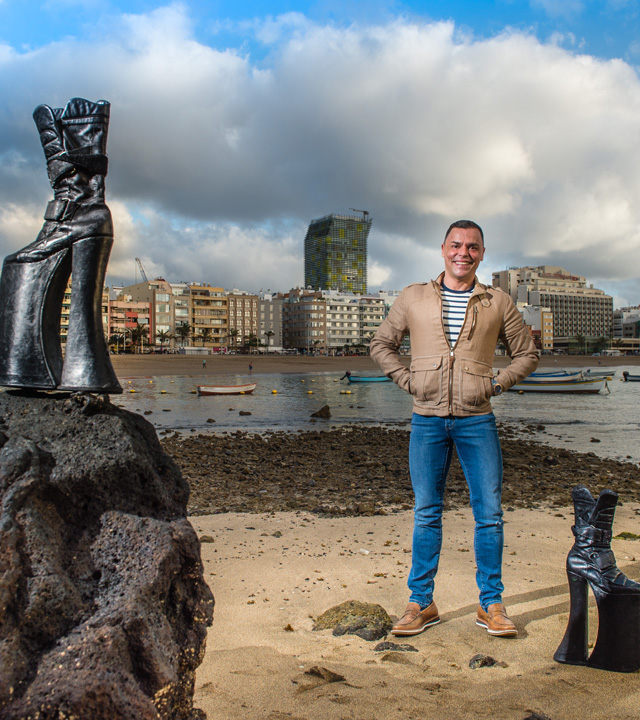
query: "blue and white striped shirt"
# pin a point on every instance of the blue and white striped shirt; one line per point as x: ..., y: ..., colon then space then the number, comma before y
x: 454, y: 307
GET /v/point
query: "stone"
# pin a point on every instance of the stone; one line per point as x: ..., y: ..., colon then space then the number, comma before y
x: 324, y: 412
x: 366, y: 620
x: 103, y: 606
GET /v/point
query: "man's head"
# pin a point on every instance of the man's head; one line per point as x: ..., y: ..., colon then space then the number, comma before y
x: 463, y: 251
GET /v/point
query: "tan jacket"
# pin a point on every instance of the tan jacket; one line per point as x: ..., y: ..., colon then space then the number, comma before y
x: 456, y: 380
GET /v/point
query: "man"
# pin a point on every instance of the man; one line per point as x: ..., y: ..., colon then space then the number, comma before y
x: 455, y: 323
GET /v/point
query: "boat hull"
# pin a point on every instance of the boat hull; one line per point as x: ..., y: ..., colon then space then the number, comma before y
x: 361, y: 378
x: 226, y: 389
x: 573, y: 386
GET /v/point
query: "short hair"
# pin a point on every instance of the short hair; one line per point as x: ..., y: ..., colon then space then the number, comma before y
x: 465, y: 225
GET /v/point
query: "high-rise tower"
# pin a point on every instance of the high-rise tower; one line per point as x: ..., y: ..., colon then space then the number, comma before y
x: 335, y: 253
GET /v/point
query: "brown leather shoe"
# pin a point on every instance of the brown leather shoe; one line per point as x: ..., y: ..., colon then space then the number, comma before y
x: 495, y: 621
x: 414, y: 620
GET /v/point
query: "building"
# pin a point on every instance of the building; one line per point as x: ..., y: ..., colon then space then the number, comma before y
x: 125, y: 315
x: 540, y: 321
x: 270, y: 321
x: 304, y: 321
x: 581, y: 313
x: 351, y: 320
x: 335, y: 253
x: 243, y: 321
x: 209, y: 316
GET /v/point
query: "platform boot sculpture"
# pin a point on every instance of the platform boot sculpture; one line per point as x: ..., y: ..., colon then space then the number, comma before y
x: 76, y: 238
x: 591, y: 562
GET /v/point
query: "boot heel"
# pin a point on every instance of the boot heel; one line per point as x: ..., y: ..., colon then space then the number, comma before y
x: 30, y: 298
x: 573, y: 649
x: 617, y: 646
x: 87, y: 366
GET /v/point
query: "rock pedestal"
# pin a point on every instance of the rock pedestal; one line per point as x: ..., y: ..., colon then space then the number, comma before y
x: 103, y: 605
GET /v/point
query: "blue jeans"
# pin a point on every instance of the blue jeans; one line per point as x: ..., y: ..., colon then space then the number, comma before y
x: 430, y: 450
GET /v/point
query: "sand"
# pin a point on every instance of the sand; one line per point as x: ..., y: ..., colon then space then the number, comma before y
x: 271, y: 574
x: 127, y: 366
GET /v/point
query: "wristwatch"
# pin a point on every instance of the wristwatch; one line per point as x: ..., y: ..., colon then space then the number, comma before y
x: 497, y: 388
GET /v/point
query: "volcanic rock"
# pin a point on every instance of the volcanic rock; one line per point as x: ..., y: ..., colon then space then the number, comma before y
x: 103, y: 606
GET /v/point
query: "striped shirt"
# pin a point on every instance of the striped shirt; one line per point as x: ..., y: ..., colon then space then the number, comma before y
x: 454, y: 307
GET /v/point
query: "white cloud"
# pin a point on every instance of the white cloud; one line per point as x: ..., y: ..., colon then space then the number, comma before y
x: 217, y: 164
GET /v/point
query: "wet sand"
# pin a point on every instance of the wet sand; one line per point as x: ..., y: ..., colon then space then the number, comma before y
x: 127, y: 366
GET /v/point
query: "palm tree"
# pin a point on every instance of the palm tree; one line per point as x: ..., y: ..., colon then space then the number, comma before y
x: 581, y: 342
x: 115, y: 339
x: 205, y: 335
x: 183, y: 332
x: 268, y: 334
x: 163, y: 336
x: 233, y: 334
x: 252, y: 342
x: 138, y: 334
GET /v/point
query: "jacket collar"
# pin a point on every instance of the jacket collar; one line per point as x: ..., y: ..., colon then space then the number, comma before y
x: 478, y: 287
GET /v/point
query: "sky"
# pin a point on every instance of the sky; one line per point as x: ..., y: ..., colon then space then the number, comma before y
x: 234, y: 124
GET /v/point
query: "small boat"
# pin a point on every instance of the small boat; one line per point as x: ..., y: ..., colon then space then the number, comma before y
x: 628, y: 377
x: 608, y: 374
x: 226, y: 389
x: 367, y: 378
x: 562, y: 376
x: 556, y: 385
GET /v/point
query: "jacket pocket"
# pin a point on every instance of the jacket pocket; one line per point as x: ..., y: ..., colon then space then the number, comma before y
x: 426, y: 379
x: 474, y: 380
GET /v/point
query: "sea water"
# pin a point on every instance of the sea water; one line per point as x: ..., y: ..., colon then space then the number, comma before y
x: 607, y: 424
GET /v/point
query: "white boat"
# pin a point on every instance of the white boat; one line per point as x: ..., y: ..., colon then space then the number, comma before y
x: 556, y: 385
x: 226, y: 389
x: 608, y: 374
x: 554, y: 377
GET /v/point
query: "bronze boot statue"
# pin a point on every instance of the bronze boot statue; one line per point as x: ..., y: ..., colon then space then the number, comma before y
x: 591, y: 563
x: 76, y: 238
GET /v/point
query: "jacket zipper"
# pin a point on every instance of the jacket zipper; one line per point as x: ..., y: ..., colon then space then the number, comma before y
x: 473, y: 321
x: 451, y: 360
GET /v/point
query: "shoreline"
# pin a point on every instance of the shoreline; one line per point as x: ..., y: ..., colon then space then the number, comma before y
x: 129, y: 366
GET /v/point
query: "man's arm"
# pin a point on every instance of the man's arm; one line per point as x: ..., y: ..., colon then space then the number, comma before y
x: 383, y: 349
x: 520, y: 347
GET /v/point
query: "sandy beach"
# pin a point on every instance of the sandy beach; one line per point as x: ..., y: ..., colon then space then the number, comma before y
x: 286, y: 559
x: 127, y: 366
x: 272, y: 574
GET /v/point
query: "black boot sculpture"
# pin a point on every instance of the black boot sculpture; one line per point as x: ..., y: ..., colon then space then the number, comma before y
x: 76, y: 239
x: 591, y: 562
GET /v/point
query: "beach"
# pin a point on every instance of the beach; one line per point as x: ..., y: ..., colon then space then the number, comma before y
x: 292, y: 524
x: 148, y: 365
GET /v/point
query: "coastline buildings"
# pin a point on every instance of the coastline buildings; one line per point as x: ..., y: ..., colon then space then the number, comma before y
x: 581, y: 313
x: 335, y: 253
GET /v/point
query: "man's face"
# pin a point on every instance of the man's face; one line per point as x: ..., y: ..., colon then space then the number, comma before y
x: 463, y: 251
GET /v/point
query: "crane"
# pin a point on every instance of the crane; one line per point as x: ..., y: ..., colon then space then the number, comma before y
x: 364, y: 213
x: 142, y: 272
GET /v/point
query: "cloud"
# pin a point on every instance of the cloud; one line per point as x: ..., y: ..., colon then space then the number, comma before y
x: 218, y: 163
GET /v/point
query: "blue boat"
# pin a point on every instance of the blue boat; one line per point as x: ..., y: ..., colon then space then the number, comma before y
x: 365, y: 378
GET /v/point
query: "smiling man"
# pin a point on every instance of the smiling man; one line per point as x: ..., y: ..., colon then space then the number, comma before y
x: 455, y: 323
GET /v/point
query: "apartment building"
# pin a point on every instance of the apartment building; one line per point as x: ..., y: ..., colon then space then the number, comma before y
x: 244, y: 319
x: 270, y: 320
x: 578, y: 309
x: 351, y: 320
x: 304, y: 320
x: 209, y: 316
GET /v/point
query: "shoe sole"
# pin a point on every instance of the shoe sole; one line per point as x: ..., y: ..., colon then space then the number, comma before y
x: 497, y: 633
x: 415, y: 632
